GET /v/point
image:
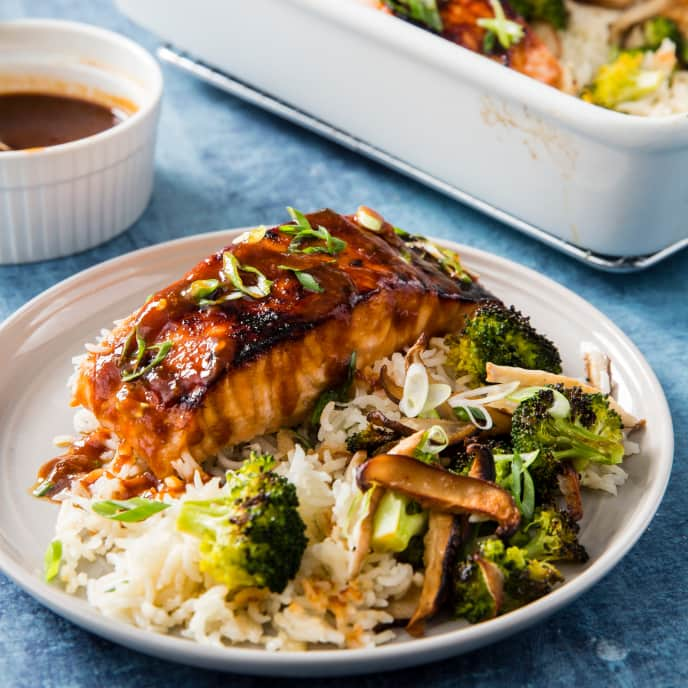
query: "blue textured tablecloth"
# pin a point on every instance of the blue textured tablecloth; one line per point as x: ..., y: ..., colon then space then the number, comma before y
x: 222, y: 163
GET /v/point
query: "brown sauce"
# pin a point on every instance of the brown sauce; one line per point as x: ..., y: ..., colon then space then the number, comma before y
x: 81, y: 458
x: 37, y: 120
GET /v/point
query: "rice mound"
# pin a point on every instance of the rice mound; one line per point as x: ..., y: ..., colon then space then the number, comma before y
x: 148, y: 574
x: 154, y: 580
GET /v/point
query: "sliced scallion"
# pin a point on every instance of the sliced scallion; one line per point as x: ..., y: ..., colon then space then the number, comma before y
x: 161, y: 350
x: 252, y: 236
x: 416, y: 387
x: 432, y: 442
x: 52, y: 560
x: 369, y: 218
x: 307, y: 281
x: 230, y: 273
x: 506, y: 31
x: 201, y: 289
x: 43, y: 488
x: 129, y: 510
x: 303, y: 231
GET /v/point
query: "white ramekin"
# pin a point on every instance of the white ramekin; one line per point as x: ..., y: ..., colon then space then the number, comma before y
x: 63, y: 199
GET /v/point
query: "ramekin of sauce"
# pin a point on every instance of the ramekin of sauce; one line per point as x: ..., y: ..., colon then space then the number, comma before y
x: 79, y: 109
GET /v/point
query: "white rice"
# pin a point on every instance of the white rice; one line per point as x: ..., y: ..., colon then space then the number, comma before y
x: 152, y: 577
x: 585, y: 48
x: 148, y: 574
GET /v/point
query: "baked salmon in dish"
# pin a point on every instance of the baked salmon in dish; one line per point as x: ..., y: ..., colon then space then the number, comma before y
x: 624, y: 55
x: 248, y: 340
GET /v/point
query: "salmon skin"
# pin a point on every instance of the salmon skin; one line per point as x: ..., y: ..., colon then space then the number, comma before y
x: 196, y: 369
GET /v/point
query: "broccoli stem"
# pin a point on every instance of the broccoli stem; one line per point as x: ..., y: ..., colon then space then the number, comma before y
x: 396, y: 521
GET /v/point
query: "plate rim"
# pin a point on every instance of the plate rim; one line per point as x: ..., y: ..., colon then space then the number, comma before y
x: 258, y: 661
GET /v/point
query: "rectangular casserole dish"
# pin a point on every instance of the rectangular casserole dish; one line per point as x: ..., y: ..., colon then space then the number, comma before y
x: 606, y: 187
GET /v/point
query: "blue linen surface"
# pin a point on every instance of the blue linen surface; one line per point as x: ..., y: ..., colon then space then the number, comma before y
x: 223, y: 163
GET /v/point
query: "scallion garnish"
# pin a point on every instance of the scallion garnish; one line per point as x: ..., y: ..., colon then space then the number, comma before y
x: 136, y: 371
x: 369, y: 218
x: 448, y: 260
x: 252, y: 236
x: 308, y: 282
x: 230, y: 273
x: 129, y: 510
x: 432, y: 442
x: 303, y: 231
x: 232, y: 296
x: 52, y: 560
x: 506, y: 31
x: 519, y: 480
x: 202, y: 289
x: 421, y: 11
x: 43, y: 488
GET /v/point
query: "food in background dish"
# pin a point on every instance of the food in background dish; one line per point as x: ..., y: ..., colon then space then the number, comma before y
x: 322, y: 431
x: 620, y: 54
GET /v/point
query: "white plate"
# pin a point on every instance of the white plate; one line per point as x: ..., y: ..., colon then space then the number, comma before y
x: 37, y: 344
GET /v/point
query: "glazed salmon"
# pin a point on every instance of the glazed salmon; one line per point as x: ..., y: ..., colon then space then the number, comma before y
x: 530, y: 55
x: 248, y: 340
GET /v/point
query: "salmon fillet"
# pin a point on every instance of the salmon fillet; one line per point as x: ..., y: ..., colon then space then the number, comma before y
x: 197, y: 373
x: 529, y: 56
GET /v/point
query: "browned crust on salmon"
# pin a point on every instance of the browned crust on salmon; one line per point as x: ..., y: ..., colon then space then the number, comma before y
x: 250, y: 366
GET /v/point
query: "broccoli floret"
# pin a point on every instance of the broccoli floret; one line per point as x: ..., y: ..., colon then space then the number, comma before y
x: 523, y: 580
x: 370, y: 440
x: 423, y: 12
x: 655, y: 30
x: 545, y: 472
x: 552, y: 535
x: 459, y: 461
x: 502, y: 336
x: 472, y: 598
x: 397, y: 519
x: 568, y: 424
x: 526, y: 579
x: 622, y: 80
x: 253, y: 534
x: 551, y: 11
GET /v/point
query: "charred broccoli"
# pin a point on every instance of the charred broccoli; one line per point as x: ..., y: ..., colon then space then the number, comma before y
x: 253, y: 534
x: 552, y: 535
x: 568, y: 424
x: 502, y: 336
x: 413, y: 554
x: 526, y: 579
x: 519, y: 578
x: 472, y: 597
x: 370, y: 440
x: 552, y: 11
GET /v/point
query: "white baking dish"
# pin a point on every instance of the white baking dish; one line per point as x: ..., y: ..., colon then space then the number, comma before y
x: 546, y: 162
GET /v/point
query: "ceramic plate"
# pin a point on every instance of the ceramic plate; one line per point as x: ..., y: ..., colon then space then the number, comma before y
x: 39, y: 340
